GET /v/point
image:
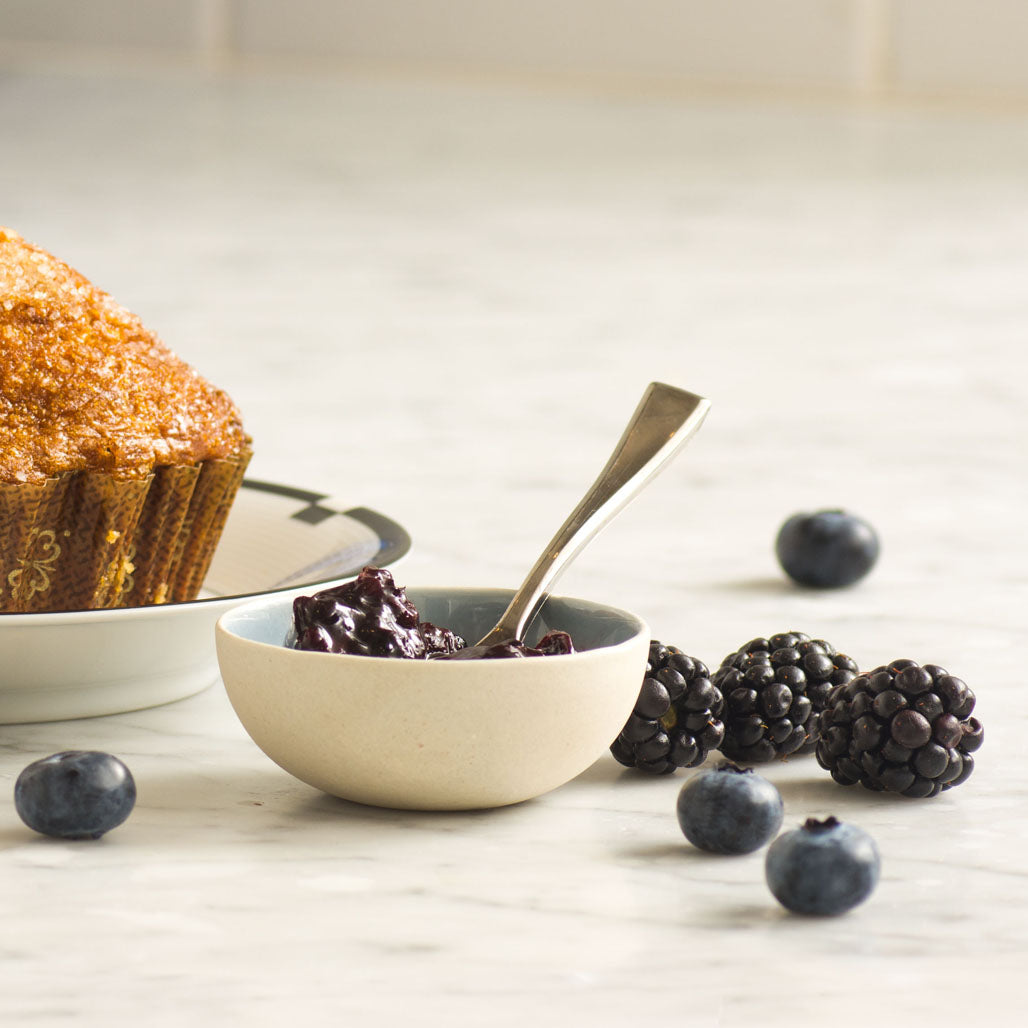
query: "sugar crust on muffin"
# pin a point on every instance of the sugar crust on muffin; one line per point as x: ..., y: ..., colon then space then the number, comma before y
x: 84, y: 386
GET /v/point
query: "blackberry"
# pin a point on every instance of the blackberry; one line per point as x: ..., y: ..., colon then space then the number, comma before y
x: 676, y: 721
x: 902, y: 727
x: 774, y: 690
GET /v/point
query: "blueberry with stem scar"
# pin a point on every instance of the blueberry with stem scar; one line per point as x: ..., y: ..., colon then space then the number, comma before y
x: 75, y: 794
x: 729, y: 809
x: 823, y: 867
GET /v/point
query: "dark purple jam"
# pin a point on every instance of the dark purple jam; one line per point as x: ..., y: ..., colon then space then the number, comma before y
x: 372, y: 617
x: 550, y: 645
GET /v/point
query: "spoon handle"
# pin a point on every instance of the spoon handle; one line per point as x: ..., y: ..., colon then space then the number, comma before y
x: 665, y: 420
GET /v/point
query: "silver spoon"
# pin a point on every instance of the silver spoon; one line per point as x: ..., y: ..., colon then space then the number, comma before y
x: 665, y: 420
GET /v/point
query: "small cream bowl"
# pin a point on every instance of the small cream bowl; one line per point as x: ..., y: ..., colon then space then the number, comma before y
x: 428, y: 734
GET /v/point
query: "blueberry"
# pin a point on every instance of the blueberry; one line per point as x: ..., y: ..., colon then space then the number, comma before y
x: 729, y: 810
x: 77, y: 794
x: 822, y: 867
x: 826, y: 550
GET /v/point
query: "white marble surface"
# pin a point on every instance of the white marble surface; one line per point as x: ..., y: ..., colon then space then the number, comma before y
x: 443, y: 300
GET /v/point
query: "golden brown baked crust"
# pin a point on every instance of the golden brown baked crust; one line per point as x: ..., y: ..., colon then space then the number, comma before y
x: 85, y: 387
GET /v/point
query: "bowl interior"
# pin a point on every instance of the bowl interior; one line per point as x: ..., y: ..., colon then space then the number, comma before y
x: 469, y: 612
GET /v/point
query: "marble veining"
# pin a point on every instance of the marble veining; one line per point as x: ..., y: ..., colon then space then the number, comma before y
x: 443, y: 300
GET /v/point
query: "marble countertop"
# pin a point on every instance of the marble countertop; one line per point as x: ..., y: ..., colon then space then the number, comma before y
x: 442, y: 299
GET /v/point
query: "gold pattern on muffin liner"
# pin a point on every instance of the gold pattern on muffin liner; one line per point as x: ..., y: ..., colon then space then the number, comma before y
x: 33, y: 574
x: 87, y: 540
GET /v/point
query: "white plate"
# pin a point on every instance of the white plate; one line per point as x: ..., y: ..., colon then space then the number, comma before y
x: 90, y: 662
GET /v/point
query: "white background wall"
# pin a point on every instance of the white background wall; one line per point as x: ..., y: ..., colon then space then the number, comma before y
x: 937, y: 49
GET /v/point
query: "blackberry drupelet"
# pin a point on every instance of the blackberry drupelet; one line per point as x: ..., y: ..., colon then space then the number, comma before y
x: 676, y: 721
x: 774, y: 690
x: 902, y: 727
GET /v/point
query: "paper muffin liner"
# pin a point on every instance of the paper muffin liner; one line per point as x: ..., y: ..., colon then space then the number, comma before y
x: 88, y: 540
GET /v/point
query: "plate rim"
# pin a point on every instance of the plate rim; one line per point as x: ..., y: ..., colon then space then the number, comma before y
x: 395, y: 543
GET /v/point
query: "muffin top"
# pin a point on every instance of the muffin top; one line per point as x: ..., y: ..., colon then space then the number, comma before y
x: 85, y: 387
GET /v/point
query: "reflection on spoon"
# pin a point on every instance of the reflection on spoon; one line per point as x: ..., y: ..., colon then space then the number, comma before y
x: 665, y: 420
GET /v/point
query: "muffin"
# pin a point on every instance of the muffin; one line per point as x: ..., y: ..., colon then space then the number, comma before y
x: 118, y: 461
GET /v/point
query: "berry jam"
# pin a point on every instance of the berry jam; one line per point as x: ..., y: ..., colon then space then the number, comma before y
x: 372, y: 617
x: 550, y: 645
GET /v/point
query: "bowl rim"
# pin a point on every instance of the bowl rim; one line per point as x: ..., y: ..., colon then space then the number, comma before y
x: 225, y: 626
